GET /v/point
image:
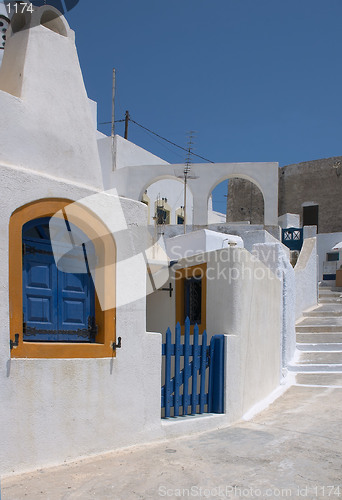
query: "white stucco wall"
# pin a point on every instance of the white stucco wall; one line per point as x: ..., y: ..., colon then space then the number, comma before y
x: 52, y: 410
x: 306, y: 277
x: 276, y: 257
x: 201, y: 241
x: 47, y: 120
x: 250, y: 238
x: 245, y: 304
x: 289, y: 220
x: 244, y: 301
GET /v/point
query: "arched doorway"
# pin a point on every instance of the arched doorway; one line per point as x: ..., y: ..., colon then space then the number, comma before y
x: 166, y: 200
x: 240, y: 199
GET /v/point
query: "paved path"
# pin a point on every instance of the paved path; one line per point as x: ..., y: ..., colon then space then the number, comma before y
x: 291, y: 450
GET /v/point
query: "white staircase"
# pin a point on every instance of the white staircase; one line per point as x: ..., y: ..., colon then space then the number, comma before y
x: 318, y: 359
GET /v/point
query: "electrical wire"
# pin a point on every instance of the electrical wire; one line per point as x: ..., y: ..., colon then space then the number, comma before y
x: 162, y: 144
x: 170, y: 142
x: 160, y: 137
x: 116, y: 121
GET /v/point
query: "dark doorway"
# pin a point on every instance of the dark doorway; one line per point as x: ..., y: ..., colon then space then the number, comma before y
x: 310, y: 216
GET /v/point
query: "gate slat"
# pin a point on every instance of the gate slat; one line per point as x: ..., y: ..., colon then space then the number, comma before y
x: 203, y: 367
x: 168, y: 373
x: 187, y: 372
x: 178, y: 377
x: 202, y: 357
x: 194, y: 371
x: 211, y: 374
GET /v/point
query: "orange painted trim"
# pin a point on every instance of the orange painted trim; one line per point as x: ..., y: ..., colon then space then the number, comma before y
x: 90, y: 224
x: 180, y: 276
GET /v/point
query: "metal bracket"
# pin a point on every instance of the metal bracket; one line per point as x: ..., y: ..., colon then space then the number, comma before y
x: 170, y: 289
x: 14, y: 343
x: 115, y: 345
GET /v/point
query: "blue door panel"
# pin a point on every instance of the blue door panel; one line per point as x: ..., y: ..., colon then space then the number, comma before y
x: 39, y: 297
x: 76, y: 305
x: 39, y: 275
x: 57, y: 306
x: 39, y: 309
x: 74, y: 313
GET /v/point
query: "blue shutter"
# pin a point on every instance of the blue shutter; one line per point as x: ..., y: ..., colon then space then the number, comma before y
x: 57, y: 306
x: 76, y: 307
x: 39, y: 292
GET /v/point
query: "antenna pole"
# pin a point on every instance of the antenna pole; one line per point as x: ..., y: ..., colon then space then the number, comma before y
x: 185, y: 183
x: 126, y: 124
x: 113, y: 122
x: 186, y: 172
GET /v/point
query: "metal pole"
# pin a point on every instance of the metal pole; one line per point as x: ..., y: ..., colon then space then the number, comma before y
x: 113, y: 103
x: 126, y: 124
x: 185, y: 183
x: 113, y: 122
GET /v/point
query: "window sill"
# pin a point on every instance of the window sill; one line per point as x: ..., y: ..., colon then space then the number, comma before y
x: 57, y: 350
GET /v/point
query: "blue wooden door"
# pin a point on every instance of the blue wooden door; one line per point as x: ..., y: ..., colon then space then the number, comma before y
x: 39, y: 291
x: 57, y: 306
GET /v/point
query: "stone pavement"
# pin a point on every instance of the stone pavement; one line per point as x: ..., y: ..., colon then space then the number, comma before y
x: 293, y: 449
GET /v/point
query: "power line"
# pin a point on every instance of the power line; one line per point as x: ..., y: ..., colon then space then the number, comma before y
x: 116, y: 121
x: 170, y: 142
x: 160, y: 137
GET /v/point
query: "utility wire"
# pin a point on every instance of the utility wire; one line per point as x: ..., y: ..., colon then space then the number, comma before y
x: 160, y: 137
x: 116, y: 121
x: 170, y: 142
x: 151, y: 136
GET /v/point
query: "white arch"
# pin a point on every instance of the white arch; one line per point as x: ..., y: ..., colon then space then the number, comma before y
x: 131, y: 182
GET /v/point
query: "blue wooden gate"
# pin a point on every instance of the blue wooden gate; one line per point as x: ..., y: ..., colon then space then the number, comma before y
x: 293, y: 238
x: 198, y: 387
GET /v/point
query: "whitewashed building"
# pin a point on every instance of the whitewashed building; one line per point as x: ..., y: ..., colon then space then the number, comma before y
x: 81, y: 374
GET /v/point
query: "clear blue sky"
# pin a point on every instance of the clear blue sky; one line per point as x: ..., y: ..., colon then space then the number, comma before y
x: 259, y: 80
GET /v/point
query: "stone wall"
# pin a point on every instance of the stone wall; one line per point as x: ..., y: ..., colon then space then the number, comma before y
x: 245, y: 202
x: 317, y: 181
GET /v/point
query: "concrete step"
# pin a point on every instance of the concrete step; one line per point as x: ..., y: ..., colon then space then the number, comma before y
x: 329, y: 293
x: 319, y: 313
x: 318, y: 324
x: 325, y: 379
x: 326, y: 308
x: 319, y: 347
x: 330, y: 300
x: 312, y: 328
x: 332, y: 288
x: 320, y: 358
x: 316, y: 338
x: 314, y: 368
